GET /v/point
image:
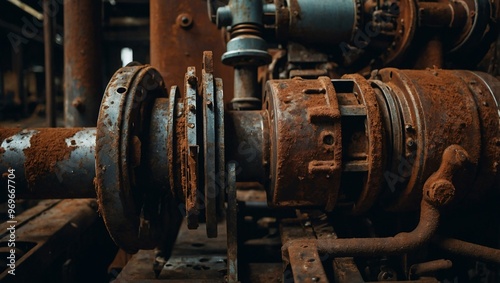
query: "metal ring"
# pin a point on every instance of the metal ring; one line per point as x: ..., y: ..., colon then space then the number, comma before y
x: 371, y: 188
x: 209, y: 144
x: 127, y: 99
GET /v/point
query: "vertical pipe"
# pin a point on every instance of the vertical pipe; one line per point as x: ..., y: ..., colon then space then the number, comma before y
x: 82, y: 58
x: 431, y: 55
x: 159, y: 34
x: 245, y: 51
x: 48, y: 40
x: 247, y: 95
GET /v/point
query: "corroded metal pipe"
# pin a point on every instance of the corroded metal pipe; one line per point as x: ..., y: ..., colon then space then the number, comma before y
x: 247, y: 94
x: 50, y: 162
x: 82, y: 62
x: 397, y: 245
x: 429, y: 267
x: 467, y: 249
x: 437, y: 192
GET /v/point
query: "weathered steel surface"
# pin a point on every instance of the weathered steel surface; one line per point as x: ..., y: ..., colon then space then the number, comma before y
x: 50, y: 162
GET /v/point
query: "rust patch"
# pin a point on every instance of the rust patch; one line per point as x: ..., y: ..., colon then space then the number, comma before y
x: 181, y: 147
x: 47, y: 148
x: 7, y: 132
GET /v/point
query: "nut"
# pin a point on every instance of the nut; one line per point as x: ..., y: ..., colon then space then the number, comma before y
x: 184, y: 20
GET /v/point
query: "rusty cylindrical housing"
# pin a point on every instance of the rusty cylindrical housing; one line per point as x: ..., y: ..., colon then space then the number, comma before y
x: 352, y: 141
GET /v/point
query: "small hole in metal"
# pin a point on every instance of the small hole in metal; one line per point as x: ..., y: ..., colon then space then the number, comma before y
x: 328, y: 139
x: 121, y: 90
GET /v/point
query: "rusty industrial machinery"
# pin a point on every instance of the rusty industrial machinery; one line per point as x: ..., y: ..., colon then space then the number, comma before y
x: 360, y: 171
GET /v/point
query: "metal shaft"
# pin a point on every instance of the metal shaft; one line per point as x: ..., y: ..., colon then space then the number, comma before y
x: 399, y: 244
x: 82, y: 62
x: 247, y: 95
x: 466, y: 249
x: 50, y: 162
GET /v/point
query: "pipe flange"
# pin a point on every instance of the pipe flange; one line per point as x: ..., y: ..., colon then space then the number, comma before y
x: 371, y: 185
x: 123, y: 197
x: 405, y: 31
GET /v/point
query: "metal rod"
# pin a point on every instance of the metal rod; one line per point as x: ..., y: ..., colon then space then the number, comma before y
x: 467, y: 249
x: 247, y: 96
x: 82, y: 62
x: 425, y: 268
x: 248, y: 144
x: 48, y: 39
x: 397, y: 245
x: 49, y: 162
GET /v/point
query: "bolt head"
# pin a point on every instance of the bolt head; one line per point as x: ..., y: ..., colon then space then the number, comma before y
x: 441, y: 192
x: 410, y: 143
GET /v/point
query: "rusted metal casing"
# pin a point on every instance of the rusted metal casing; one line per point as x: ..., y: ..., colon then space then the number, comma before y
x: 395, y: 128
x: 305, y: 142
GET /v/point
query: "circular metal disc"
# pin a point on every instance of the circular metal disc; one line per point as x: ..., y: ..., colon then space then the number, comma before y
x: 122, y: 125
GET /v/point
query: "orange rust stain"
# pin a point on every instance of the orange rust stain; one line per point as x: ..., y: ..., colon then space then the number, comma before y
x: 47, y: 148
